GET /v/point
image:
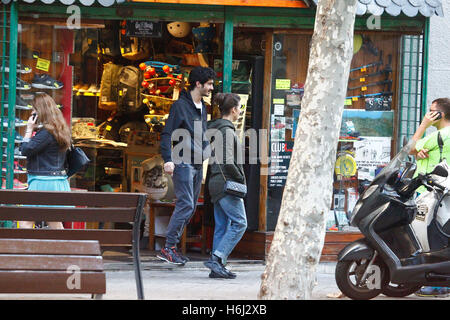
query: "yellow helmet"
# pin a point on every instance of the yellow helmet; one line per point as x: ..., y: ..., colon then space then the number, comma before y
x: 179, y: 29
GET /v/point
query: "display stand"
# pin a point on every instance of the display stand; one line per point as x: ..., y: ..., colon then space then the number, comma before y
x: 185, y: 238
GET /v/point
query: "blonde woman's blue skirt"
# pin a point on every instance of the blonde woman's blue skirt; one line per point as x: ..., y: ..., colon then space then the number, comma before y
x: 48, y: 183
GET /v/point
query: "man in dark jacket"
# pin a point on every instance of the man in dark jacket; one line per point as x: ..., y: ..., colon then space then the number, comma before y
x: 187, y: 120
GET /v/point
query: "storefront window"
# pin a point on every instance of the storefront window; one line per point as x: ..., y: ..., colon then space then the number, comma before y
x: 367, y: 134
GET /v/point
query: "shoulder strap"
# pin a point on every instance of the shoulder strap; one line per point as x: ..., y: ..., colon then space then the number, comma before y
x: 219, y: 167
x: 440, y: 144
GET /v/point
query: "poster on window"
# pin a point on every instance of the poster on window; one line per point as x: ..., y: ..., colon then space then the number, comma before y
x: 278, y: 128
x: 371, y: 154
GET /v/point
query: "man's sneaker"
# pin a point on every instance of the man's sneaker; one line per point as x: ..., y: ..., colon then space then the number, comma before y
x: 438, y: 292
x: 17, y: 139
x: 183, y: 257
x: 20, y: 104
x: 170, y: 255
x: 44, y: 81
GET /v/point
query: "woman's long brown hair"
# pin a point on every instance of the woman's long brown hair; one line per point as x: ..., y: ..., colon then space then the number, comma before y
x: 52, y: 119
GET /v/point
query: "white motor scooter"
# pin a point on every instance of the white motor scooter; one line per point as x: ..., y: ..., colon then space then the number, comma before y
x: 427, y: 203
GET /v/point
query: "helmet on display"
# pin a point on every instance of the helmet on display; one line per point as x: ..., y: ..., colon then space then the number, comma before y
x: 155, y: 182
x: 129, y: 127
x: 179, y: 29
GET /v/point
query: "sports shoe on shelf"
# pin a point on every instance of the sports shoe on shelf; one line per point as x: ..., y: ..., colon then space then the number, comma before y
x: 18, y: 169
x: 83, y: 88
x: 20, y: 84
x: 92, y: 89
x: 77, y: 87
x: 171, y: 256
x: 437, y: 292
x: 20, y: 104
x: 18, y: 122
x: 20, y: 185
x: 17, y: 153
x: 17, y: 139
x: 20, y: 68
x: 44, y: 81
x: 25, y: 52
x: 16, y: 184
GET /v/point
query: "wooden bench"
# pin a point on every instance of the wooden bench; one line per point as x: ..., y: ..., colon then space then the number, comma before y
x: 23, y: 205
x: 51, y: 266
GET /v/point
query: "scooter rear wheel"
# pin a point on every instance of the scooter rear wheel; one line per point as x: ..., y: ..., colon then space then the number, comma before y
x: 348, y: 275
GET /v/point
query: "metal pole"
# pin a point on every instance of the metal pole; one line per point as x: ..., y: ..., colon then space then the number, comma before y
x: 13, y: 35
x: 425, y: 57
x: 227, y: 51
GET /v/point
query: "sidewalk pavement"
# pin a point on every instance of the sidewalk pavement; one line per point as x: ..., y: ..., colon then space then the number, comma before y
x: 163, y: 281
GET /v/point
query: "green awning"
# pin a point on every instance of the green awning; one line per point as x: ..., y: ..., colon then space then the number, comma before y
x: 410, y: 8
x: 105, y: 3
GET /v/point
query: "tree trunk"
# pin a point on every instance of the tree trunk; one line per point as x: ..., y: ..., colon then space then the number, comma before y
x: 300, y: 231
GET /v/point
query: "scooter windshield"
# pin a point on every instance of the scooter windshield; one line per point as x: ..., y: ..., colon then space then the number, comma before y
x: 398, y: 163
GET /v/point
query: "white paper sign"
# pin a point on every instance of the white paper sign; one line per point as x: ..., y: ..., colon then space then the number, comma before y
x: 370, y: 153
x: 278, y: 110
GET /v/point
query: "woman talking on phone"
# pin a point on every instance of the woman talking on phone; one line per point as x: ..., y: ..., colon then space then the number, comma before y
x: 46, y: 150
x: 229, y: 211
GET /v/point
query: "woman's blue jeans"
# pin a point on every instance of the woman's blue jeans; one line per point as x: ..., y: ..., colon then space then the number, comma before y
x: 230, y: 224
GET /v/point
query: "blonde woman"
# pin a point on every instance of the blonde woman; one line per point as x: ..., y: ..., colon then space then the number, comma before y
x: 46, y: 150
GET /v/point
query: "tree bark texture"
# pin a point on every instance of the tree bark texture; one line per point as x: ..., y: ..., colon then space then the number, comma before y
x: 300, y: 231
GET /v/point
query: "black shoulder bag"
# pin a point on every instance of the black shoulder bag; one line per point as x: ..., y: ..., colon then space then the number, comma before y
x: 231, y: 187
x: 76, y: 160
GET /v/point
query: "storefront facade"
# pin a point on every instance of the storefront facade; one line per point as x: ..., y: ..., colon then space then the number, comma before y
x: 259, y: 50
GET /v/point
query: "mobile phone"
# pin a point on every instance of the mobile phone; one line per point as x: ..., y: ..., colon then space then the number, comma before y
x: 34, y: 115
x: 439, y: 115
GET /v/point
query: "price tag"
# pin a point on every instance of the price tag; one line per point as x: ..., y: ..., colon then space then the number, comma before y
x: 278, y: 101
x: 43, y: 64
x: 364, y: 89
x: 282, y: 84
x: 363, y: 69
x: 108, y: 128
x: 355, y: 99
x: 362, y: 79
x: 348, y: 102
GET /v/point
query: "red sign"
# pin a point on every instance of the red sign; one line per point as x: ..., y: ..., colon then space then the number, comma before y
x: 242, y: 3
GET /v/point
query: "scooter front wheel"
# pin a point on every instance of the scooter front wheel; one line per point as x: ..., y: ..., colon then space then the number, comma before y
x: 349, y: 279
x: 399, y: 290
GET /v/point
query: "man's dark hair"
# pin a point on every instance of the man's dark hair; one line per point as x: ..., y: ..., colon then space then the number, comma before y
x: 202, y: 75
x: 444, y: 105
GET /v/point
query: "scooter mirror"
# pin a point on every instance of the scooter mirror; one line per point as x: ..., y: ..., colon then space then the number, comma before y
x: 440, y: 171
x: 392, y: 179
x: 409, y: 170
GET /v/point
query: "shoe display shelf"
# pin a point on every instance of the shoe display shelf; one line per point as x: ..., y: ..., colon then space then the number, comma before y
x: 105, y: 173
